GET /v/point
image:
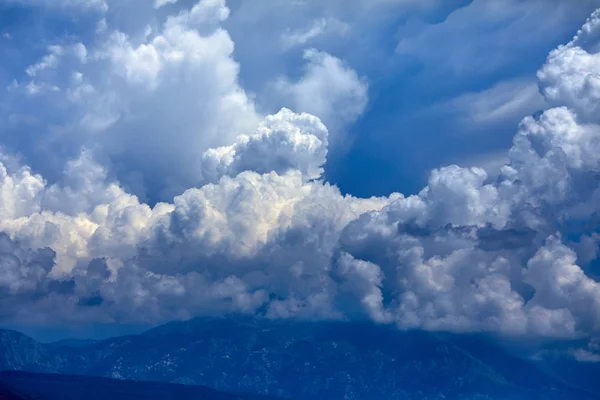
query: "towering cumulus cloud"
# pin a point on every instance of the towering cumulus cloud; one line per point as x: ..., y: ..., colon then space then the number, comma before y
x: 150, y: 100
x: 513, y: 253
x: 263, y: 233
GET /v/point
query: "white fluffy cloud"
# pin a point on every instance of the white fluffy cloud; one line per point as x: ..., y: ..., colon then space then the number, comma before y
x: 254, y: 227
x: 148, y: 100
x: 247, y: 230
x: 148, y: 103
x: 328, y: 89
x: 148, y: 95
x: 284, y: 142
x: 473, y: 252
x: 571, y: 77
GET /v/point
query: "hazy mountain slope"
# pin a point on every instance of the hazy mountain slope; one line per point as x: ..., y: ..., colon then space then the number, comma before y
x: 20, y: 352
x: 585, y: 375
x: 74, y: 342
x: 302, y: 360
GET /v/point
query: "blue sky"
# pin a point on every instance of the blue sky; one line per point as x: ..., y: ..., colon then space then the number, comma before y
x: 417, y: 163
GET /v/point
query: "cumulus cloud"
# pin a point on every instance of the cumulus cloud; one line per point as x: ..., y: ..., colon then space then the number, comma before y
x: 258, y: 230
x: 474, y: 253
x: 571, y: 77
x: 322, y: 52
x: 478, y: 252
x: 147, y: 102
x: 248, y: 230
x: 284, y: 142
x: 149, y: 95
x: 328, y: 88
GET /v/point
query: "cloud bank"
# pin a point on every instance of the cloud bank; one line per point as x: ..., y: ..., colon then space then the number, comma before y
x: 148, y: 99
x: 254, y: 227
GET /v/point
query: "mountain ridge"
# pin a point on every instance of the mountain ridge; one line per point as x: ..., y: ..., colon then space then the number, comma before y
x: 301, y: 360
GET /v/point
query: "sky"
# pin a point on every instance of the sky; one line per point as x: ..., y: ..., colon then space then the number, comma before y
x: 425, y: 164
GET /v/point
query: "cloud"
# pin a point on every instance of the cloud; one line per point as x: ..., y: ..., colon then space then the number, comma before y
x: 162, y: 3
x: 328, y: 88
x: 250, y: 225
x: 49, y: 61
x: 255, y: 218
x: 148, y: 106
x: 454, y: 253
x: 317, y: 28
x: 284, y: 142
x: 571, y: 76
x: 149, y: 98
x: 476, y: 252
x: 485, y: 36
x: 300, y: 41
x: 506, y: 102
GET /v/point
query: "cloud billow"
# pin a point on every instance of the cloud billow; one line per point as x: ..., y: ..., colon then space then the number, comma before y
x: 259, y: 230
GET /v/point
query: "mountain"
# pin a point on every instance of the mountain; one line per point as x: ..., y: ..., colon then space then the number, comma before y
x: 74, y: 342
x: 301, y: 360
x: 581, y: 374
x: 19, y: 351
x: 25, y: 386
